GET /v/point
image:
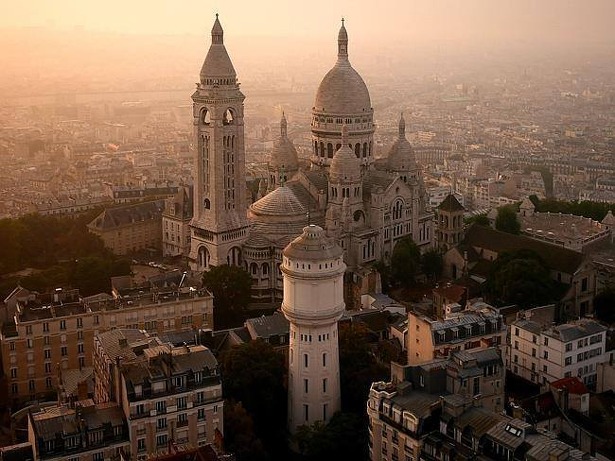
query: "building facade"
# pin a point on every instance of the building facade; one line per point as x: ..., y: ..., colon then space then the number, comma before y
x: 544, y: 355
x: 55, y: 332
x: 170, y: 395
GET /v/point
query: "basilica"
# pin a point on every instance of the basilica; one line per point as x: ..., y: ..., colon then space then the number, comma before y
x: 364, y: 205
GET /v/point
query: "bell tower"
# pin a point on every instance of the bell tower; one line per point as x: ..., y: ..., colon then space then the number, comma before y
x: 220, y: 225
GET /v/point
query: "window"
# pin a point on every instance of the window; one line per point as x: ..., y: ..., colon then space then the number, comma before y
x: 306, y: 412
x: 79, y: 322
x: 80, y: 348
x: 305, y: 360
x: 45, y: 327
x: 141, y: 444
x: 324, y: 411
x: 62, y: 324
x: 200, y: 414
x: 14, y: 373
x: 182, y: 403
x: 568, y: 360
x: 64, y: 351
x: 161, y: 406
x: 99, y: 456
x: 81, y: 362
x: 546, y: 341
x: 516, y: 344
x: 476, y: 386
x: 140, y: 408
x: 29, y: 343
x: 161, y: 423
x: 28, y: 329
x: 182, y: 419
x: 568, y: 347
x: 12, y: 344
x: 48, y: 383
x: 324, y: 385
x: 545, y: 354
x: 305, y: 385
x: 48, y: 367
x: 31, y: 385
x: 533, y: 352
x: 324, y: 359
x: 47, y: 353
x: 80, y: 335
x: 544, y: 368
x: 161, y: 440
x: 46, y: 340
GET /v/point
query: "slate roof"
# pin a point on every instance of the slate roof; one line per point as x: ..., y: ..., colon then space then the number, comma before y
x: 269, y: 325
x: 112, y: 218
x: 575, y: 330
x: 450, y: 204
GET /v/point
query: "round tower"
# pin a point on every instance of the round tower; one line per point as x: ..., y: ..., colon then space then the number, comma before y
x: 313, y: 271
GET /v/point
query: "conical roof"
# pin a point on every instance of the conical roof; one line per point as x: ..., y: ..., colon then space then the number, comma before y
x: 280, y: 202
x: 217, y: 65
x: 450, y: 203
x: 313, y: 245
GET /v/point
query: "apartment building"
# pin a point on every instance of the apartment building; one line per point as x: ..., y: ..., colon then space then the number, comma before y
x: 167, y: 393
x: 473, y: 328
x: 55, y: 331
x: 545, y: 355
x: 80, y: 432
x: 130, y: 228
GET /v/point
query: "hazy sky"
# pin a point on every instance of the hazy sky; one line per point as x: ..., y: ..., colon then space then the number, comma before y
x: 473, y: 20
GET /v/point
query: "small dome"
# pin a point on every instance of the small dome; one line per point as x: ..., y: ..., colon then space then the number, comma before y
x: 280, y: 202
x: 401, y: 156
x: 284, y: 154
x: 345, y: 164
x: 342, y: 91
x: 217, y: 64
x: 313, y: 245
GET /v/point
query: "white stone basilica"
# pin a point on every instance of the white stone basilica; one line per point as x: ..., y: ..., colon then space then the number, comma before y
x: 366, y: 208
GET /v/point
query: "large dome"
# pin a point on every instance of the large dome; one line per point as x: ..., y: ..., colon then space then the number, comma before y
x: 342, y: 91
x: 284, y: 154
x: 401, y: 156
x: 345, y: 164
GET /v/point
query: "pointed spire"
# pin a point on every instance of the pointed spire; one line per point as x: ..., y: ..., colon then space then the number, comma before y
x: 217, y: 34
x: 342, y: 42
x: 344, y: 135
x: 402, y: 126
x: 283, y: 126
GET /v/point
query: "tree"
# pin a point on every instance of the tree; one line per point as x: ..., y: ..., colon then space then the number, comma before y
x: 432, y: 264
x: 385, y: 274
x: 507, y: 221
x: 239, y: 436
x: 480, y: 219
x: 405, y: 262
x: 344, y: 437
x: 231, y: 286
x: 359, y: 368
x: 604, y: 305
x: 255, y: 375
x: 521, y: 278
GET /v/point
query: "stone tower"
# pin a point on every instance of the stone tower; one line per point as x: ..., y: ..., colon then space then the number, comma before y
x: 313, y: 271
x: 219, y: 225
x: 449, y: 223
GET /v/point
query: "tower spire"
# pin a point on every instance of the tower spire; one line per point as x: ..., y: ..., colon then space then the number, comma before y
x: 217, y: 33
x: 342, y: 42
x: 402, y: 126
x: 344, y: 135
x: 283, y: 126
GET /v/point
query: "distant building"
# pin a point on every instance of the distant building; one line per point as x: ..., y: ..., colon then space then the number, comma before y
x: 460, y: 330
x: 545, y: 355
x: 449, y: 223
x: 130, y: 228
x: 57, y: 330
x: 176, y: 223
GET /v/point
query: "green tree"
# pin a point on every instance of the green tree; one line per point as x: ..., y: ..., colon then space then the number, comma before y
x: 385, y: 274
x: 405, y: 262
x: 359, y: 368
x: 432, y: 264
x: 344, y: 437
x: 231, y: 287
x: 604, y: 305
x: 239, y: 436
x: 255, y: 374
x: 480, y: 219
x: 521, y: 278
x: 507, y: 220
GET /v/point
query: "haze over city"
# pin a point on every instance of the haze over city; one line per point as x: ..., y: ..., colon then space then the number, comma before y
x: 307, y: 231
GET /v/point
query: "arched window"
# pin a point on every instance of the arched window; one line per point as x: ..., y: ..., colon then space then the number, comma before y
x: 364, y: 149
x: 265, y: 269
x: 322, y: 149
x: 315, y: 147
x: 205, y: 116
x: 207, y: 204
x: 357, y: 150
x: 229, y: 117
x: 337, y: 147
x: 330, y: 150
x: 324, y: 359
x: 253, y: 269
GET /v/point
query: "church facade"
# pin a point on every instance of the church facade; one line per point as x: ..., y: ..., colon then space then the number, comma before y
x: 364, y: 205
